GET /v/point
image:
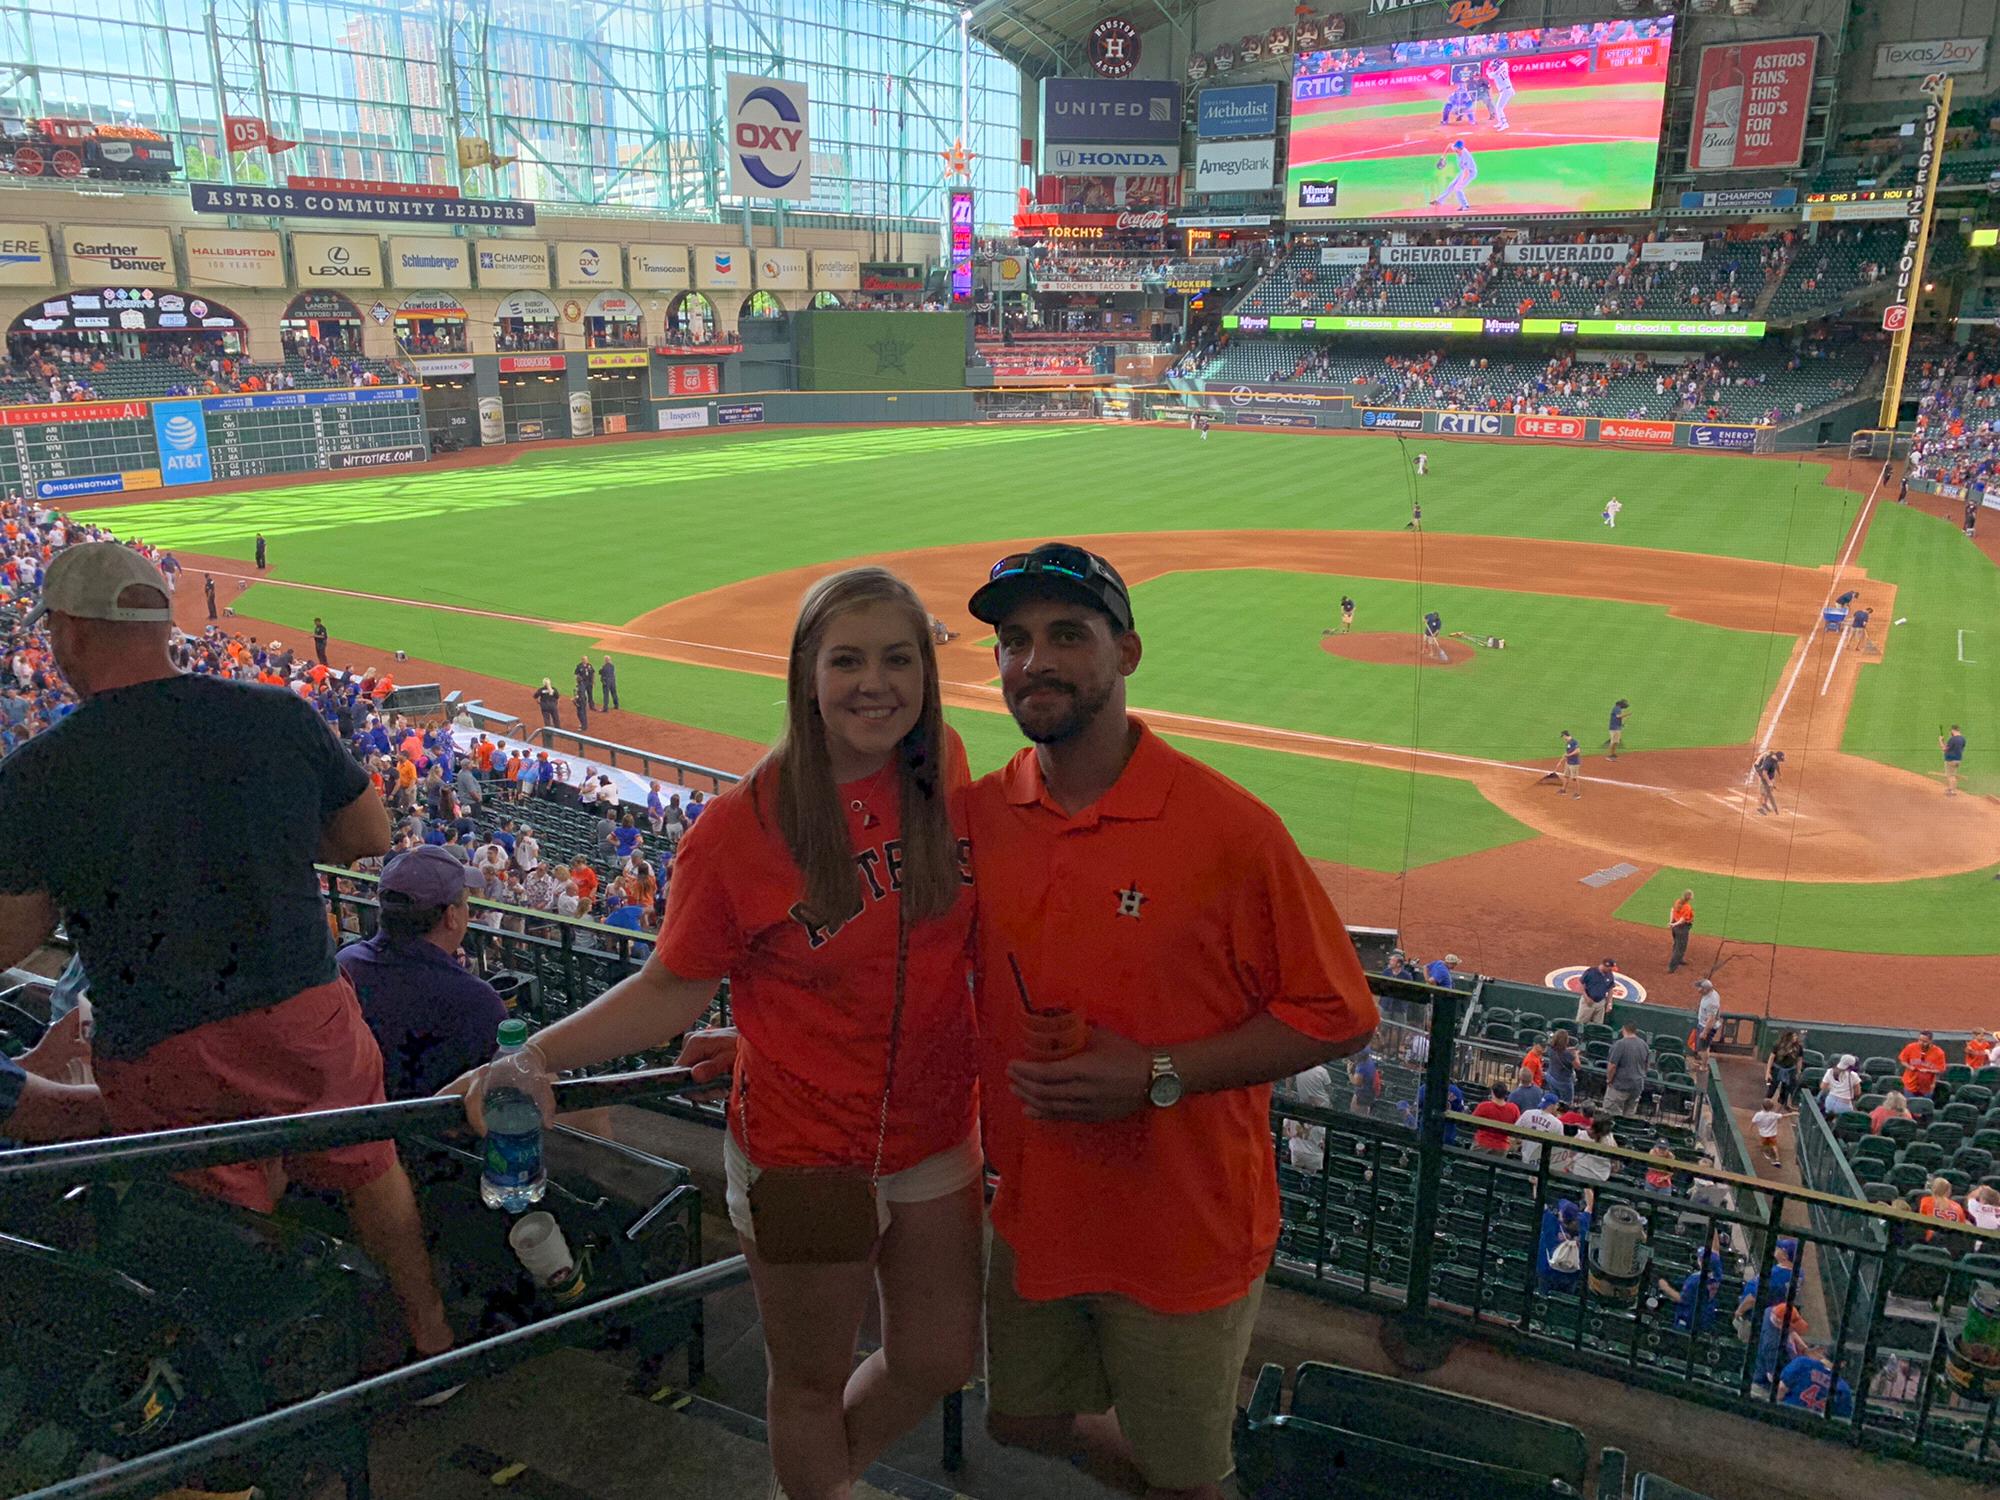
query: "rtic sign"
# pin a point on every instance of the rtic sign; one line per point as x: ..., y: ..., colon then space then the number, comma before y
x: 1470, y: 423
x: 1570, y: 428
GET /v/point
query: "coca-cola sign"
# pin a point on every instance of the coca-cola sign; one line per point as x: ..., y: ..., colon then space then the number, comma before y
x: 1073, y: 226
x: 1149, y: 218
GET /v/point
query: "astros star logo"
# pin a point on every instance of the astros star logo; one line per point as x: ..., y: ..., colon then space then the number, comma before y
x: 889, y: 352
x: 957, y: 161
x: 1130, y: 900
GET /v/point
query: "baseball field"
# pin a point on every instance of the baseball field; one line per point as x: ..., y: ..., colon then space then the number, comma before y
x: 1419, y: 788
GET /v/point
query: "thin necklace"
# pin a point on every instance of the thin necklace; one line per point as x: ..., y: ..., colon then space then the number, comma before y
x: 859, y: 804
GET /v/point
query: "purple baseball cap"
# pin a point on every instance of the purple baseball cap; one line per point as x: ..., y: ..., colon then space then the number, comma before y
x: 425, y: 876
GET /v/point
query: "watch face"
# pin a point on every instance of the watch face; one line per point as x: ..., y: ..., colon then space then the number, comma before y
x: 1165, y: 1091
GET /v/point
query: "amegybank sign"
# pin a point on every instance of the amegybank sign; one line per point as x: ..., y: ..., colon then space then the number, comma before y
x: 1234, y: 166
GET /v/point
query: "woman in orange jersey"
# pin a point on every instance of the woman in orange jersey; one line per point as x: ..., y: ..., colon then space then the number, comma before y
x: 834, y: 880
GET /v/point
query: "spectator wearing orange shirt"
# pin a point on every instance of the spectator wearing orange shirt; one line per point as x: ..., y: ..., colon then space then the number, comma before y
x: 1923, y: 1064
x: 1938, y: 1203
x: 1137, y: 1208
x: 1979, y: 1049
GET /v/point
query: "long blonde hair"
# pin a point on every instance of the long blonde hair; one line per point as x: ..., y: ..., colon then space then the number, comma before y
x: 797, y: 774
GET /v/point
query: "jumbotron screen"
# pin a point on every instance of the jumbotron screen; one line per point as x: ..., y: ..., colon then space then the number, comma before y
x: 1554, y: 119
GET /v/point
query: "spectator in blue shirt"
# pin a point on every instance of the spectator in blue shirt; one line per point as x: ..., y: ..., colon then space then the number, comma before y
x: 1596, y: 984
x: 1783, y: 1261
x: 626, y: 837
x: 629, y: 915
x: 1809, y: 1383
x: 1439, y: 970
x: 1703, y: 1284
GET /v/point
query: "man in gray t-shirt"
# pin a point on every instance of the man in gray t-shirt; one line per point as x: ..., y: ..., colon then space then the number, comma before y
x: 1625, y: 1071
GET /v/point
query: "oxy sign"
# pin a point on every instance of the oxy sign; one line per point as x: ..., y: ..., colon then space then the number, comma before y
x: 770, y: 143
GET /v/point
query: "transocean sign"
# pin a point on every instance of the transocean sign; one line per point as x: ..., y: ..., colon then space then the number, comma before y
x: 300, y: 203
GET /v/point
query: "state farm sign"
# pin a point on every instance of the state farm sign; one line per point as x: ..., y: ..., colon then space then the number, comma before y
x: 1659, y: 434
x: 1548, y: 427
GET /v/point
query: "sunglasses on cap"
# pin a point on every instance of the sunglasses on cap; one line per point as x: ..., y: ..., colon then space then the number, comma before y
x: 1059, y: 563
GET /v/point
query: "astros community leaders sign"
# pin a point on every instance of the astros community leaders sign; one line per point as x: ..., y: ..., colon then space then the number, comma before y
x: 299, y: 203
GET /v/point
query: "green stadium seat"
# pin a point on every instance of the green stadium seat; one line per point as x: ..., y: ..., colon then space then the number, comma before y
x: 1902, y: 1132
x: 1977, y: 1095
x: 1961, y: 1182
x: 1905, y: 1178
x: 1944, y: 1133
x: 1878, y: 1192
x: 1926, y: 1154
x: 1987, y: 1078
x: 1851, y: 1126
x: 1988, y: 1140
x: 1956, y: 1073
x: 1964, y: 1116
x: 1597, y: 1031
x: 1976, y: 1160
x: 1653, y: 1487
x: 1878, y: 1147
x: 1812, y: 1062
x: 1868, y: 1103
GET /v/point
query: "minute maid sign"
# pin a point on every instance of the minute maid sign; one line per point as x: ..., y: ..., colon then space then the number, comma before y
x: 181, y: 431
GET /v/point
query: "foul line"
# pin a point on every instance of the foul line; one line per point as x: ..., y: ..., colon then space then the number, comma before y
x: 1961, y: 651
x: 1805, y: 649
x: 1838, y: 647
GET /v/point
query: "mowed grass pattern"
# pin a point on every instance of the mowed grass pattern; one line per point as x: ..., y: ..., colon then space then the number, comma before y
x: 1956, y: 915
x: 1245, y: 645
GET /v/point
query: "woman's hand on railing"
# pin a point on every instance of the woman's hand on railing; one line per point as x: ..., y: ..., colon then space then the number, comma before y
x: 711, y: 1057
x: 531, y: 1074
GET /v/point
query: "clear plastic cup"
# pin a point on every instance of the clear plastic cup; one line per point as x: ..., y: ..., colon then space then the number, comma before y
x: 1051, y: 1034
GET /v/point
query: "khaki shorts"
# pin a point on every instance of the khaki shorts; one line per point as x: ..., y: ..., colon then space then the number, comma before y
x: 1172, y: 1377
x: 952, y: 1170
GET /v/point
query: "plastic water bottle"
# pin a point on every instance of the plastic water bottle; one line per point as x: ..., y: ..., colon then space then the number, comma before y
x: 513, y: 1178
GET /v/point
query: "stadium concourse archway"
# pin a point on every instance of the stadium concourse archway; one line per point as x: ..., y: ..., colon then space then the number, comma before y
x: 764, y: 307
x: 691, y: 318
x: 126, y: 322
x: 326, y: 320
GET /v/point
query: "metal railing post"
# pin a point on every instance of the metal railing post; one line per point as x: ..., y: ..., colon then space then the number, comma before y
x: 1412, y: 1339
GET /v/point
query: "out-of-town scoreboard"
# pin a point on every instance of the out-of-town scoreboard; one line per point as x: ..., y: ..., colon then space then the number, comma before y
x: 63, y: 449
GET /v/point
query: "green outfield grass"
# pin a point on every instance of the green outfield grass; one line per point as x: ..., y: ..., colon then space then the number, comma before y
x: 607, y: 534
x: 1366, y: 816
x: 1930, y: 675
x: 1954, y: 915
x: 1567, y: 659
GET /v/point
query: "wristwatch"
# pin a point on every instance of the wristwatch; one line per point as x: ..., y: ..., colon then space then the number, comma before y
x: 1165, y: 1091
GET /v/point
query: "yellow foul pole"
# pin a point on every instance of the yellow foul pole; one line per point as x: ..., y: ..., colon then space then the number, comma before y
x: 1899, y: 314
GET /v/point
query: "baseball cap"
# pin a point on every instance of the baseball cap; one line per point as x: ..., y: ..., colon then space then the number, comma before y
x: 1703, y: 984
x: 425, y: 876
x: 86, y: 580
x: 1060, y: 568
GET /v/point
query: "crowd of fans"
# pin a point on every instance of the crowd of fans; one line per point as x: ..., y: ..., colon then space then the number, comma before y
x: 1957, y: 439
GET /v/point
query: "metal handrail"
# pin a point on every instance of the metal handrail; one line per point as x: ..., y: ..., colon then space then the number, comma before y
x: 610, y: 750
x: 400, y: 1386
x: 201, y: 1146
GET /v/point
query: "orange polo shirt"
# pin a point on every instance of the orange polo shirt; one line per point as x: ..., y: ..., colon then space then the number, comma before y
x: 1682, y: 915
x: 1978, y: 1054
x: 1921, y: 1068
x: 1175, y: 908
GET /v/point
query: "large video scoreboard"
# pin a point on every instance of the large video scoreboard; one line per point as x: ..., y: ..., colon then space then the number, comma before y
x: 74, y: 448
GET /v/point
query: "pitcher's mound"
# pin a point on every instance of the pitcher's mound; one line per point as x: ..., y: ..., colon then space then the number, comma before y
x: 1395, y: 648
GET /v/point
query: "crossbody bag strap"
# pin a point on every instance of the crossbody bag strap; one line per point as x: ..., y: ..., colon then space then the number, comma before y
x: 895, y: 1034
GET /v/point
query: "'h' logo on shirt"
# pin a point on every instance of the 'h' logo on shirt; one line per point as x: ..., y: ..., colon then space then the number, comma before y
x: 1130, y: 900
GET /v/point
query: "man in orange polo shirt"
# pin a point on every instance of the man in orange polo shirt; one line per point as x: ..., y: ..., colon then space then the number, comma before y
x: 1923, y: 1065
x: 1138, y: 1208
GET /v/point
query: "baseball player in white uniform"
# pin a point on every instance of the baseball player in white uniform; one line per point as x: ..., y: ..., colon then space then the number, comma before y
x: 1611, y: 509
x: 1468, y: 170
x: 1499, y: 90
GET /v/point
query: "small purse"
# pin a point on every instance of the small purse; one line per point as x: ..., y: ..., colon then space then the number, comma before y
x: 827, y: 1216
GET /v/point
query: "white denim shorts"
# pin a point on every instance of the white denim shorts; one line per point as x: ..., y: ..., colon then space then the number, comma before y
x: 950, y: 1171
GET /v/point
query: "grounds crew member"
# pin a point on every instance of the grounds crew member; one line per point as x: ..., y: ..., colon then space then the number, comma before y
x: 1137, y: 1209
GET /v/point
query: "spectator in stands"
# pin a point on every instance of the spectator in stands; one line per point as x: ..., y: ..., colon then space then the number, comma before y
x: 1982, y: 1206
x: 1564, y: 1250
x: 1839, y: 1086
x: 1923, y: 1064
x: 40, y: 1097
x: 430, y: 1017
x: 1625, y: 1069
x: 1893, y: 1107
x: 1559, y: 1066
x: 1364, y: 1078
x: 1707, y: 1021
x: 1439, y: 970
x: 1809, y: 1383
x: 1979, y: 1049
x: 1527, y: 1091
x: 1539, y: 1115
x: 1400, y: 967
x: 1534, y: 1061
x: 1781, y: 1078
x: 1767, y: 1122
x: 768, y: 893
x: 1596, y: 984
x: 206, y: 943
x: 1495, y: 1107
x: 1697, y: 1300
x: 1938, y: 1203
x: 1780, y: 1340
x: 1305, y: 1144
x: 1588, y: 1165
x: 1784, y: 1266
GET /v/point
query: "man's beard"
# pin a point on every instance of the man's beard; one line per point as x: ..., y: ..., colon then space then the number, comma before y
x: 1082, y: 713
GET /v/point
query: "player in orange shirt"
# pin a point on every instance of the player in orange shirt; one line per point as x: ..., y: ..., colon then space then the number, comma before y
x: 1138, y: 1206
x: 803, y: 884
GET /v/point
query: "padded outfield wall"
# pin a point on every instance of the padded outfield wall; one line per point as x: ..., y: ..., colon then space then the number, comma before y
x: 881, y: 351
